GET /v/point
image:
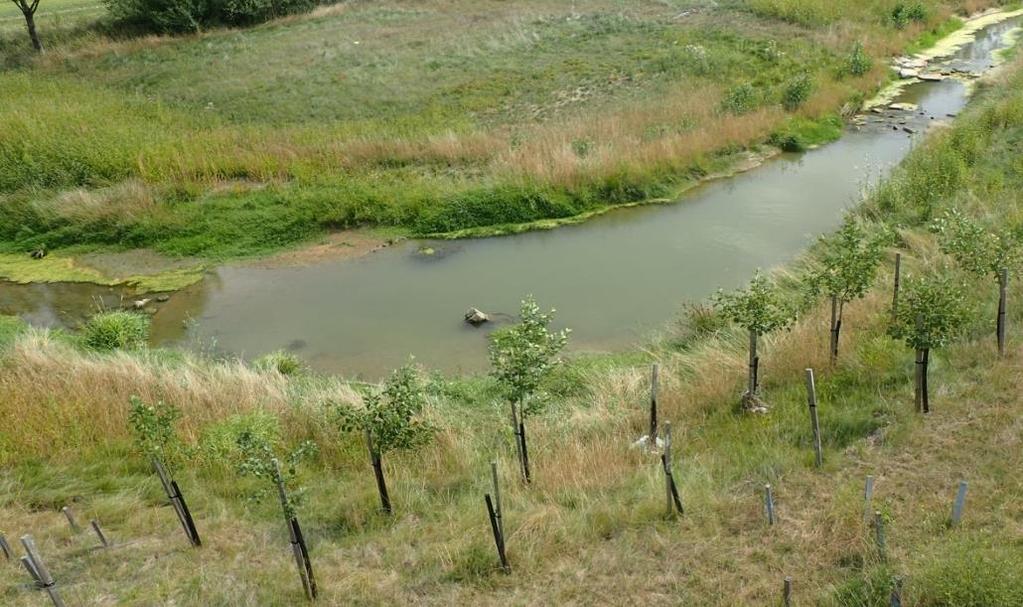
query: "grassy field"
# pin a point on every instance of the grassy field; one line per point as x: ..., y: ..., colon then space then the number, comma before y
x: 591, y: 528
x: 418, y: 117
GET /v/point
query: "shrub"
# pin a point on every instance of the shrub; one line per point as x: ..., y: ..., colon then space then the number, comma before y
x: 282, y: 362
x: 859, y: 62
x: 932, y: 312
x: 194, y: 15
x: 905, y: 12
x: 740, y: 100
x: 108, y: 331
x: 797, y: 92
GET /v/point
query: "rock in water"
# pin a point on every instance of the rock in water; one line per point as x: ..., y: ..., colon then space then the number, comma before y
x: 475, y: 317
x: 141, y: 303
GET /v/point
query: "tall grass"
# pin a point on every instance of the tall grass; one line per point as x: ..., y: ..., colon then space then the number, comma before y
x: 506, y: 114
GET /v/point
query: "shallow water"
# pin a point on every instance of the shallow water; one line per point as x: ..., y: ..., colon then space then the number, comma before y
x: 613, y: 279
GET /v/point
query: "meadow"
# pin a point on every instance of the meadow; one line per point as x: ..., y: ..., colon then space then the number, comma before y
x: 592, y: 524
x: 414, y: 117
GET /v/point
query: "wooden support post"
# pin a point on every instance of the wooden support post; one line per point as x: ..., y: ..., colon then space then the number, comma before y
x: 497, y: 496
x: 769, y: 504
x: 293, y: 531
x: 177, y: 501
x: 652, y: 437
x: 896, y: 598
x: 673, y: 500
x: 31, y: 569
x: 99, y: 533
x: 516, y: 431
x: 836, y: 326
x: 959, y: 504
x: 526, y: 474
x: 41, y: 573
x: 71, y: 519
x: 190, y: 530
x: 868, y: 498
x: 895, y: 292
x: 378, y: 472
x: 1003, y: 284
x: 498, y: 534
x: 5, y: 547
x: 879, y: 533
x: 786, y: 593
x: 754, y: 365
x: 815, y: 424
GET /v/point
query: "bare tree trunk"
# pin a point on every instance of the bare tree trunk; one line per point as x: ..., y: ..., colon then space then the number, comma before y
x: 29, y: 10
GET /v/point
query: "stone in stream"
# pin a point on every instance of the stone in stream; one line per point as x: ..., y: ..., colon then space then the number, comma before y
x: 903, y: 107
x: 475, y: 317
x: 908, y: 73
x: 931, y: 77
x: 163, y: 298
x: 138, y: 304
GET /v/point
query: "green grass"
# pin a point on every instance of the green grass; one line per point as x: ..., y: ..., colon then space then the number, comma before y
x: 418, y: 117
x: 591, y: 528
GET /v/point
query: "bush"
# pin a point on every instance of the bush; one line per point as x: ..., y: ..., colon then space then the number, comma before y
x: 740, y: 100
x: 797, y: 92
x: 859, y: 62
x: 905, y: 12
x: 284, y: 363
x: 195, y: 15
x: 116, y: 330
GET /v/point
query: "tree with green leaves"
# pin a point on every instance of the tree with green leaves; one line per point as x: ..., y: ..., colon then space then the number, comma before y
x: 258, y: 458
x: 152, y: 428
x: 761, y: 309
x: 392, y: 419
x: 522, y: 357
x: 28, y: 10
x: 981, y: 252
x: 847, y: 268
x: 931, y: 314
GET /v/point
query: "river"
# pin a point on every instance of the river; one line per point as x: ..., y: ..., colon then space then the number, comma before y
x: 613, y: 279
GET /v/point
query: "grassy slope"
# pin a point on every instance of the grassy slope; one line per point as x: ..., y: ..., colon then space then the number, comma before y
x: 591, y: 528
x: 425, y: 116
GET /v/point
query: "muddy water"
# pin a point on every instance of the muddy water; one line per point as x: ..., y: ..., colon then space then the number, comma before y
x: 613, y: 279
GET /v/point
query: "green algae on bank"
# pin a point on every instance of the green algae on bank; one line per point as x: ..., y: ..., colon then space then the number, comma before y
x: 102, y: 268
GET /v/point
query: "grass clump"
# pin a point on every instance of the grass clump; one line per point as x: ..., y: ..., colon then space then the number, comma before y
x: 118, y: 330
x: 281, y: 362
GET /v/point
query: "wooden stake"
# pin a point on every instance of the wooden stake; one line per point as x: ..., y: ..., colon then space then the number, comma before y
x: 27, y: 562
x: 769, y: 504
x: 498, y: 535
x: 177, y: 501
x: 754, y: 364
x: 896, y: 598
x: 895, y: 292
x: 673, y: 501
x: 815, y: 424
x: 516, y: 428
x: 41, y: 573
x: 71, y: 519
x: 99, y: 533
x: 293, y: 531
x: 525, y: 452
x: 879, y: 533
x: 960, y: 503
x: 786, y: 593
x: 652, y: 437
x: 497, y: 496
x: 835, y: 328
x: 868, y: 498
x: 378, y: 472
x: 1003, y: 283
x: 5, y: 547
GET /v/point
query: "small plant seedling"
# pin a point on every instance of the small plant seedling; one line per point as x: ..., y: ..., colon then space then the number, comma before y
x: 152, y: 428
x: 760, y: 309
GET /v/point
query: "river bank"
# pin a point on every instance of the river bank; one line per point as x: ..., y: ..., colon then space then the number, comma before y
x: 206, y: 177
